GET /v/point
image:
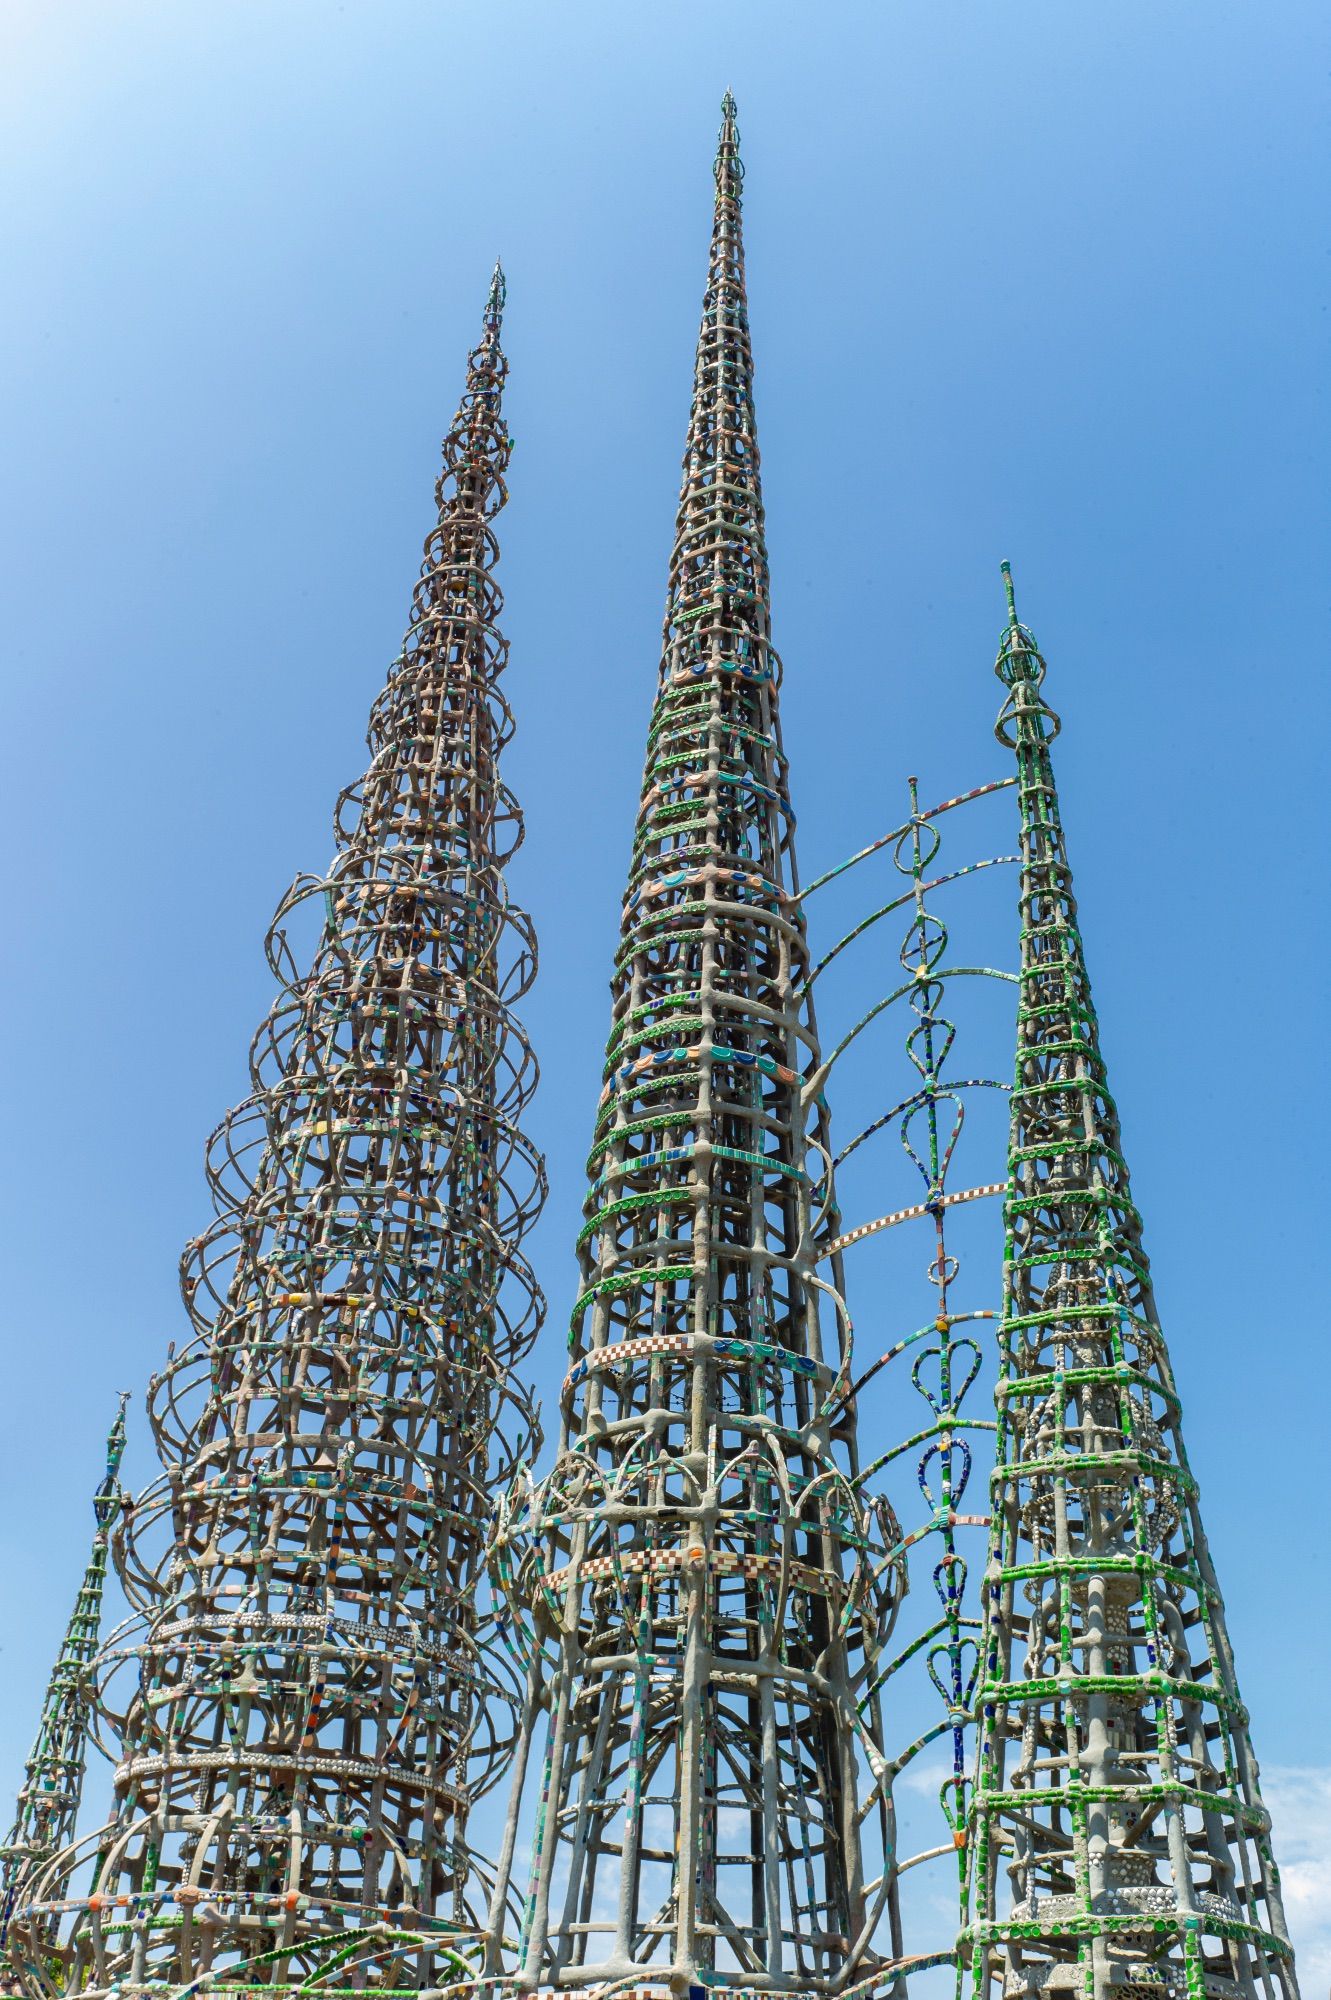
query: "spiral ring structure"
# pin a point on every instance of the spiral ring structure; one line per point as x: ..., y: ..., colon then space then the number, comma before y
x: 315, y: 1691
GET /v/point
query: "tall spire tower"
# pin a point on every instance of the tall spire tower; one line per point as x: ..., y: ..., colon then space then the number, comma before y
x: 312, y: 1683
x: 52, y: 1788
x: 699, y: 1570
x: 1119, y: 1843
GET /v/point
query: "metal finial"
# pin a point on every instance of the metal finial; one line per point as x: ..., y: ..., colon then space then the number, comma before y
x: 729, y: 169
x: 115, y: 1441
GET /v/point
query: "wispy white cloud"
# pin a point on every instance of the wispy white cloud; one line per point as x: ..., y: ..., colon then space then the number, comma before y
x: 1299, y: 1800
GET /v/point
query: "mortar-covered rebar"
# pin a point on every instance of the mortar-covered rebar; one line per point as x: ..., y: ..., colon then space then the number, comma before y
x: 709, y: 1589
x: 1119, y: 1844
x: 314, y: 1694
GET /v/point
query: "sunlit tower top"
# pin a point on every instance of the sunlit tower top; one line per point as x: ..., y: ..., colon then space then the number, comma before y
x: 702, y: 1581
x: 314, y: 1697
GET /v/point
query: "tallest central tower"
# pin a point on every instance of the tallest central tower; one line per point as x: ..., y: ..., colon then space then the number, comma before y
x: 704, y: 1603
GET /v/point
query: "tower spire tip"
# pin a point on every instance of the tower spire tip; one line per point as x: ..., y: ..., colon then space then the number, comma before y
x: 729, y: 170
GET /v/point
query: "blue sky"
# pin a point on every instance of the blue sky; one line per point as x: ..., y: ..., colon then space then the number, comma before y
x: 1039, y: 281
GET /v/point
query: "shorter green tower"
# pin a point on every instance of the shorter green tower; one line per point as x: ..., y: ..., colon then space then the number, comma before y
x: 1118, y: 1841
x: 52, y: 1788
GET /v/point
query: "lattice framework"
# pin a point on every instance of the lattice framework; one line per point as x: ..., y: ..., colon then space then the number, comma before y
x: 52, y: 1790
x: 709, y: 1588
x: 1117, y: 1795
x: 922, y: 1385
x: 711, y: 1582
x: 313, y: 1693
